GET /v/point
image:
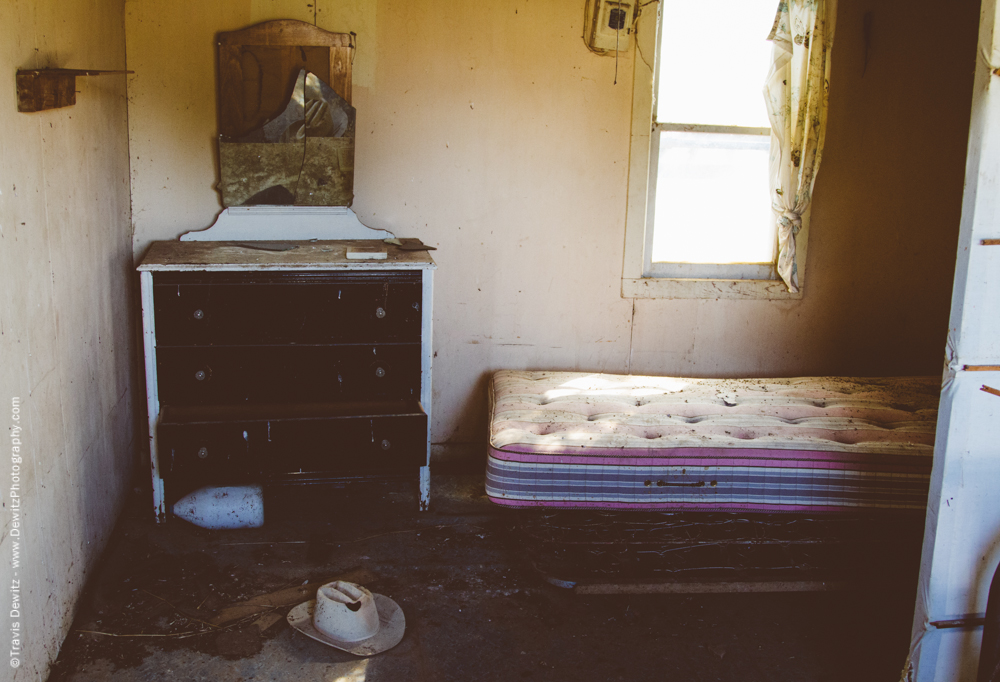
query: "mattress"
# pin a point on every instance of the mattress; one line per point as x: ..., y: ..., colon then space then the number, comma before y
x: 813, y: 444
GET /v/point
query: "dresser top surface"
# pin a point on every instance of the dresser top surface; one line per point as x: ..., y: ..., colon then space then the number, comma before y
x: 307, y: 255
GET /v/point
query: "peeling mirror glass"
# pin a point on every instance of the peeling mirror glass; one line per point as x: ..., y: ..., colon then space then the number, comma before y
x: 304, y: 156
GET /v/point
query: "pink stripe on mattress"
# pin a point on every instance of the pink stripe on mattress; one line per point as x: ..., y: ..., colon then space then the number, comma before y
x: 707, y: 457
x: 675, y: 506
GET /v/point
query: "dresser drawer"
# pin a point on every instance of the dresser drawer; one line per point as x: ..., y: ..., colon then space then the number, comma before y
x: 218, y: 454
x: 279, y: 443
x: 221, y: 375
x: 277, y: 308
x: 309, y: 450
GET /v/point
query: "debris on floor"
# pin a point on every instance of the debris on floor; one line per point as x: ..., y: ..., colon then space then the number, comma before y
x: 174, y: 601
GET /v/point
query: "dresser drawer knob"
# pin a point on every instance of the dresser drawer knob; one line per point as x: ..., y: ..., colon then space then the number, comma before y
x: 202, y: 453
x: 380, y: 372
x: 198, y: 314
x: 380, y: 313
x: 201, y: 375
x: 386, y: 444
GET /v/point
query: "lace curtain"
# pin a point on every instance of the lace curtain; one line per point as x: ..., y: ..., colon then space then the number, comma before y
x: 797, y: 92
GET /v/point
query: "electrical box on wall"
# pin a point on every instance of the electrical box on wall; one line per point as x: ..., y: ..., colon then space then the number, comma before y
x: 608, y: 25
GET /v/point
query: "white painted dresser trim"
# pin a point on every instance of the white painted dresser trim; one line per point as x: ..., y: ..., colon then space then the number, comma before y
x: 286, y: 223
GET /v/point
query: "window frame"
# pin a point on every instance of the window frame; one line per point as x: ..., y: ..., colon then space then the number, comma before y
x: 640, y: 277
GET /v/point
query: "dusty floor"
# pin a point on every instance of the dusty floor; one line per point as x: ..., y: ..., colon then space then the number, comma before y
x: 475, y: 608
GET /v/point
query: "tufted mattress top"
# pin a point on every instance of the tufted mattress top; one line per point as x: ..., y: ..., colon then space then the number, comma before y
x: 564, y: 439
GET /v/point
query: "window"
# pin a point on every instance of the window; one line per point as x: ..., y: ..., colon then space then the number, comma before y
x: 699, y: 216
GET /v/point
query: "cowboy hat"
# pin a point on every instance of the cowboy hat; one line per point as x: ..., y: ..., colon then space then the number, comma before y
x: 349, y: 617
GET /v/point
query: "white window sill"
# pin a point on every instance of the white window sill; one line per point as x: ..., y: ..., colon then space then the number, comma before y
x: 662, y: 287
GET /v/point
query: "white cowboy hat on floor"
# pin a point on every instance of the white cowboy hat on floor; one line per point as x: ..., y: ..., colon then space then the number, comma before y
x: 349, y: 617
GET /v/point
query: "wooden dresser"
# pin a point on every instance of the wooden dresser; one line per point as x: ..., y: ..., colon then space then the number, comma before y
x: 283, y: 367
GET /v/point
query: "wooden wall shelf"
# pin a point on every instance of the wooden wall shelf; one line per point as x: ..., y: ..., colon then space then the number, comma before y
x: 43, y: 89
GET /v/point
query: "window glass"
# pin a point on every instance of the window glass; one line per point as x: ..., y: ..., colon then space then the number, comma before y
x: 714, y: 57
x: 711, y: 199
